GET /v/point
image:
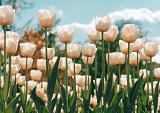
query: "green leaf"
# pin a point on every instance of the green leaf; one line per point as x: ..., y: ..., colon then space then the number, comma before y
x: 64, y: 98
x: 86, y: 101
x: 1, y: 106
x: 99, y: 93
x: 127, y: 106
x: 73, y: 103
x: 11, y: 105
x: 6, y: 87
x: 134, y: 91
x: 155, y: 98
x: 37, y: 100
x: 52, y: 80
x: 54, y: 102
x: 59, y: 106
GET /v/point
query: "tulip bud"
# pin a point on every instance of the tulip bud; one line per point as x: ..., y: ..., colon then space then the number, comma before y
x: 31, y: 85
x: 129, y: 33
x: 112, y: 58
x: 23, y: 63
x: 41, y: 64
x: 88, y: 60
x: 17, y: 76
x: 157, y: 73
x: 150, y: 87
x: 111, y: 34
x: 138, y: 44
x: 145, y: 73
x: 65, y: 33
x: 89, y: 50
x: 43, y: 84
x: 93, y: 34
x: 21, y: 81
x: 50, y: 52
x: 120, y: 59
x: 15, y: 59
x: 62, y: 63
x: 93, y: 101
x: 143, y: 55
x: 53, y: 61
x: 40, y: 92
x: 73, y: 51
x: 27, y: 49
x: 7, y: 15
x: 80, y: 80
x: 150, y: 49
x: 46, y: 18
x: 103, y: 23
x: 123, y: 81
x: 133, y: 58
x: 124, y: 47
x: 77, y: 68
x: 36, y: 75
x: 14, y: 68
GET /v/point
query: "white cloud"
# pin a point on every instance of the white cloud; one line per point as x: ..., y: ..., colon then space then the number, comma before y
x: 143, y: 14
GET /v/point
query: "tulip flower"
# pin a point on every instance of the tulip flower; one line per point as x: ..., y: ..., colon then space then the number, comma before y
x: 7, y: 15
x: 103, y: 23
x: 150, y: 49
x: 23, y: 63
x: 36, y: 75
x: 53, y: 61
x: 93, y: 101
x: 42, y: 85
x: 138, y: 44
x: 111, y: 34
x: 124, y: 47
x: 144, y: 72
x: 65, y: 33
x: 89, y: 61
x: 80, y: 80
x: 41, y: 64
x: 46, y: 18
x: 15, y: 59
x: 150, y: 87
x: 14, y: 69
x: 40, y: 92
x: 15, y: 78
x: 93, y: 34
x: 129, y: 33
x: 31, y: 85
x: 62, y: 63
x: 50, y: 54
x: 143, y: 55
x: 157, y: 73
x: 27, y: 49
x: 89, y: 50
x: 21, y: 81
x: 76, y: 70
x: 133, y: 58
x: 73, y: 51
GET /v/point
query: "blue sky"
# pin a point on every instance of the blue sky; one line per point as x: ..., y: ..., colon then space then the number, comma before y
x: 83, y: 11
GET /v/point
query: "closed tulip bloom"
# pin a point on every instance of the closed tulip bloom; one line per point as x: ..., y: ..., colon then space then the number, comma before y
x: 89, y: 50
x: 111, y: 34
x: 138, y: 44
x: 143, y: 55
x: 31, y: 85
x: 65, y: 33
x: 23, y: 63
x: 112, y: 58
x: 73, y: 51
x: 27, y: 49
x: 93, y: 101
x: 41, y: 64
x: 15, y: 77
x: 77, y: 68
x: 89, y: 61
x: 36, y: 75
x: 103, y: 23
x: 40, y: 92
x: 14, y: 68
x: 124, y: 47
x: 129, y: 33
x: 93, y: 34
x: 53, y: 61
x: 145, y: 73
x: 123, y: 81
x: 157, y: 73
x: 50, y: 52
x: 62, y: 63
x: 120, y: 59
x: 43, y: 85
x: 46, y: 18
x: 133, y: 58
x: 80, y: 80
x: 7, y: 15
x: 150, y: 49
x: 15, y: 59
x: 21, y: 81
x: 150, y: 87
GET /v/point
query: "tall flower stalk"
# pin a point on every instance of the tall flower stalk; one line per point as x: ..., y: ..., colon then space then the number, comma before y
x: 5, y: 54
x: 137, y: 64
x: 87, y: 74
x: 128, y: 70
x: 66, y: 76
x: 46, y: 55
x: 151, y: 73
x: 108, y: 70
x: 95, y: 74
x: 74, y: 67
x: 26, y: 81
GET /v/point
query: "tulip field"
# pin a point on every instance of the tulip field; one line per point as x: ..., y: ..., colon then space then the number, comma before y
x: 113, y: 72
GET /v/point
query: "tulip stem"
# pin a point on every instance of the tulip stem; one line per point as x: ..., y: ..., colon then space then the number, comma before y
x: 108, y: 58
x: 10, y: 70
x: 26, y: 80
x: 147, y: 82
x: 119, y: 73
x: 95, y: 76
x: 103, y: 65
x: 151, y: 72
x: 128, y: 71
x: 86, y: 75
x: 133, y: 75
x: 46, y: 55
x: 137, y: 64
x: 5, y: 54
x: 66, y: 77
x: 74, y: 85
